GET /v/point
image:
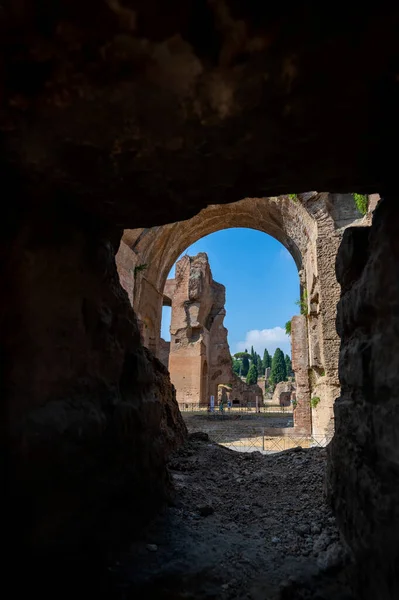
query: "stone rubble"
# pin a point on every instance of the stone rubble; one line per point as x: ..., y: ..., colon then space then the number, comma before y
x: 241, y: 526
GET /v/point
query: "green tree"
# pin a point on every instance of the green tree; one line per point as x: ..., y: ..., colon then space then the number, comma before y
x: 259, y: 365
x: 288, y: 366
x: 252, y: 376
x: 253, y: 355
x: 236, y: 366
x: 267, y: 359
x: 240, y: 355
x: 245, y: 366
x: 278, y: 371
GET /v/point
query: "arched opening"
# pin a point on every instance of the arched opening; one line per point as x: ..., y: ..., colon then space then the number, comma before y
x: 304, y: 226
x: 231, y: 290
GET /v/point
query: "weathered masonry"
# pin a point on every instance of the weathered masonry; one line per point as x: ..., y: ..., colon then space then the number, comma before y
x: 310, y: 226
x: 198, y: 356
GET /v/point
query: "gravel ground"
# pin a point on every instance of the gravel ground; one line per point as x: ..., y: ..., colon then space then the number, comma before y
x: 241, y: 526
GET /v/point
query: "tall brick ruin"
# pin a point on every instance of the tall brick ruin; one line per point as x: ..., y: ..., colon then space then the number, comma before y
x: 199, y: 357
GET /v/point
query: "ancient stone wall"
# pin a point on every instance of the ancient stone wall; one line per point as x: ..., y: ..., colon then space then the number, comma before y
x: 300, y: 366
x: 87, y: 407
x: 164, y: 351
x: 199, y: 356
x: 283, y: 392
x: 310, y: 227
x: 364, y: 456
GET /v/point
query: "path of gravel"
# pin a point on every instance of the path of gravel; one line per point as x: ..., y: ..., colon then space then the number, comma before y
x: 243, y: 526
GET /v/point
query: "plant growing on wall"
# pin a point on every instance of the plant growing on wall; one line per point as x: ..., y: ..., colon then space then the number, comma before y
x: 139, y: 269
x: 288, y: 327
x: 293, y: 197
x: 362, y: 203
x: 314, y: 401
x: 303, y: 303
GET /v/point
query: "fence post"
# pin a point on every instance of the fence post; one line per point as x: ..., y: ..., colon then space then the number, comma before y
x: 263, y: 439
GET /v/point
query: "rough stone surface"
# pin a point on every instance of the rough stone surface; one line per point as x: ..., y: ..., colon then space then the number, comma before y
x: 164, y: 351
x: 364, y: 458
x: 199, y: 357
x: 91, y: 414
x: 282, y: 393
x: 145, y: 121
x: 243, y: 526
x: 300, y: 365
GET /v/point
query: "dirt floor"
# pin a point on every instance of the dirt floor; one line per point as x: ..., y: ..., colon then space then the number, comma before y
x: 241, y: 526
x: 195, y: 421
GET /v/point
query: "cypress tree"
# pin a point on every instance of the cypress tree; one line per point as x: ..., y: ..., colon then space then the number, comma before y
x: 245, y: 366
x: 252, y: 376
x: 259, y: 365
x: 288, y: 366
x: 267, y: 359
x: 278, y: 371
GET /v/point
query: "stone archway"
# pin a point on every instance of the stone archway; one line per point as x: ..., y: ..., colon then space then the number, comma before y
x: 303, y: 224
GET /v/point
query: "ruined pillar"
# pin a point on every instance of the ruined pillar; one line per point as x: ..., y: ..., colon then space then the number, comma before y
x: 300, y: 365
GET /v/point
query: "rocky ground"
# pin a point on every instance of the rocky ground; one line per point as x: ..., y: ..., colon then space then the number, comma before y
x: 241, y: 526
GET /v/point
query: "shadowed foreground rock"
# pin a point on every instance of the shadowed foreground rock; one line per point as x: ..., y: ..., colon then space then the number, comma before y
x: 243, y: 526
x: 364, y: 460
x: 92, y: 415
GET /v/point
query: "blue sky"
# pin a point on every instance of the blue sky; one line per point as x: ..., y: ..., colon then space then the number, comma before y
x: 262, y: 286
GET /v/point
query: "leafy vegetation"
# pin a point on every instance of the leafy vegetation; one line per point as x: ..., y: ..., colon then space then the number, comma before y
x: 303, y: 303
x: 252, y: 376
x: 362, y: 203
x: 267, y: 360
x: 293, y: 197
x: 288, y: 328
x: 236, y: 366
x: 259, y: 365
x: 288, y: 366
x: 314, y: 401
x: 241, y: 363
x: 139, y: 269
x: 278, y: 371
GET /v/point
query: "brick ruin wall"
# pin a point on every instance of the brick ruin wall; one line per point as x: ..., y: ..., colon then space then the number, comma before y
x: 304, y: 226
x: 199, y: 357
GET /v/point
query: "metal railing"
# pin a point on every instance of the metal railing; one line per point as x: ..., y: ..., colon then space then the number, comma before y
x: 257, y: 439
x: 268, y: 409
